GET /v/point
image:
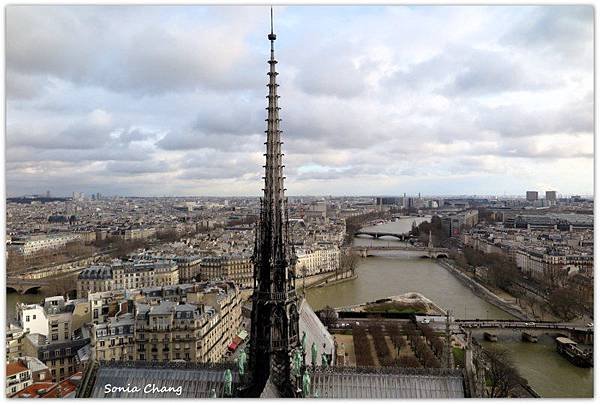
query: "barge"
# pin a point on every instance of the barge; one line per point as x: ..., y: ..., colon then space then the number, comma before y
x: 569, y: 349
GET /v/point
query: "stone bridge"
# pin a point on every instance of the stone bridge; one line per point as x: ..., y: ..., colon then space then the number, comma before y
x: 23, y: 286
x: 581, y: 333
x: 425, y: 252
x: 377, y: 235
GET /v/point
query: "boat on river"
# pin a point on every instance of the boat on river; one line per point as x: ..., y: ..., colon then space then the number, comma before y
x: 490, y: 337
x: 529, y: 337
x: 569, y: 349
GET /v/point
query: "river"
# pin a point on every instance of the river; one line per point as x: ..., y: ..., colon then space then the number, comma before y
x: 380, y: 276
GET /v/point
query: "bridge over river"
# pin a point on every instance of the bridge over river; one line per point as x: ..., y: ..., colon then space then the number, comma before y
x: 380, y: 234
x: 23, y: 285
x: 423, y: 251
x: 581, y: 333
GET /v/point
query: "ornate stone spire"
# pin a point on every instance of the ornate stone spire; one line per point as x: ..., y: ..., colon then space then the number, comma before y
x: 274, y: 331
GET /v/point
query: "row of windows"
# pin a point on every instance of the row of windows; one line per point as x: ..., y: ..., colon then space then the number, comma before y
x: 46, y: 354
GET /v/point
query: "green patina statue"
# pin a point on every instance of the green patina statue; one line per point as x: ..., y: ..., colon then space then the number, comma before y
x: 313, y: 352
x: 306, y: 385
x: 242, y: 362
x: 303, y: 341
x: 324, y: 360
x: 228, y: 382
x: 297, y: 363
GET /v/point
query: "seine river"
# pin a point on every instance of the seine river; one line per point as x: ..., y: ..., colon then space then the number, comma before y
x: 547, y: 372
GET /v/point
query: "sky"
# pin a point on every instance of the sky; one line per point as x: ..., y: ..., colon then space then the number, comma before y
x: 376, y: 100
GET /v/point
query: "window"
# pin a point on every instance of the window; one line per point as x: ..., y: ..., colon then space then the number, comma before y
x: 27, y: 318
x: 33, y: 316
x: 57, y: 353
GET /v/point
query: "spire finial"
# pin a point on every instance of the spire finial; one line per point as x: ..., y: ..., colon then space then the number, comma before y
x: 272, y: 36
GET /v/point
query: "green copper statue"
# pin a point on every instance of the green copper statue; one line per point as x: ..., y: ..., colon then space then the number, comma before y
x: 324, y: 361
x: 228, y: 382
x: 306, y: 385
x: 297, y: 363
x: 242, y: 362
x: 313, y: 352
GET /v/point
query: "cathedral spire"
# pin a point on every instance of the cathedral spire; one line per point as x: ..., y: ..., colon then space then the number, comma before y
x: 274, y: 329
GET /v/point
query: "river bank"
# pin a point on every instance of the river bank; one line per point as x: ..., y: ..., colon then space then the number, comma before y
x: 483, y: 292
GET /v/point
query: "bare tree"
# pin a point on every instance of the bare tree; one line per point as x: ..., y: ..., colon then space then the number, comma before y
x: 328, y: 316
x: 503, y: 377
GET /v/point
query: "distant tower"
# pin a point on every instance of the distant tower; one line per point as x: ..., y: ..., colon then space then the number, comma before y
x: 430, y: 242
x: 274, y: 332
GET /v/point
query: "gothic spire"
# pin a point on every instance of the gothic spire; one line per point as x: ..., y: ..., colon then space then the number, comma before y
x: 274, y: 334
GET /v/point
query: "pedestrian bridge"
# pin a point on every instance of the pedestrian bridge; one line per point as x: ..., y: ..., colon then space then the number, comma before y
x: 423, y: 251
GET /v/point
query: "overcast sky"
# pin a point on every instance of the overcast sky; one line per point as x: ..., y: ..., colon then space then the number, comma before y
x: 148, y: 100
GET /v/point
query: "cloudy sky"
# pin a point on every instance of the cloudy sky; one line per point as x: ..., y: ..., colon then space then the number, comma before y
x: 148, y: 100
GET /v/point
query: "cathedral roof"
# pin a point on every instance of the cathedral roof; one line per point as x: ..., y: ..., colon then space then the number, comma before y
x: 161, y: 380
x: 356, y: 383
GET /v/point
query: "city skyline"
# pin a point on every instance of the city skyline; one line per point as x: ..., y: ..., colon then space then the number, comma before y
x: 132, y: 106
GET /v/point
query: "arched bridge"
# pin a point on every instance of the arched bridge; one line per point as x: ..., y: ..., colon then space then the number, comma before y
x: 377, y: 235
x: 23, y: 286
x: 423, y: 251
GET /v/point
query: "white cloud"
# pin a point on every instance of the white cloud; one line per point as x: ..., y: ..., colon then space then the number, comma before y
x: 394, y: 99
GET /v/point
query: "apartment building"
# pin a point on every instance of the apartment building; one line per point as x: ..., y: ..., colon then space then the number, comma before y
x: 540, y: 263
x: 35, y: 243
x: 121, y: 275
x: 316, y: 260
x: 14, y: 342
x: 60, y: 357
x: 454, y: 222
x: 18, y: 377
x: 197, y: 330
x: 53, y: 320
x: 189, y: 268
x: 94, y: 279
x: 236, y: 268
x: 114, y: 339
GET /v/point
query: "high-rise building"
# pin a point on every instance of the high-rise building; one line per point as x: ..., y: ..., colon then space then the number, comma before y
x: 275, y: 311
x: 551, y: 195
x: 532, y: 195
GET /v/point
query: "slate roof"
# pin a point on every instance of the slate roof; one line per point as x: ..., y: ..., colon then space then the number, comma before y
x: 196, y: 380
x: 316, y: 332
